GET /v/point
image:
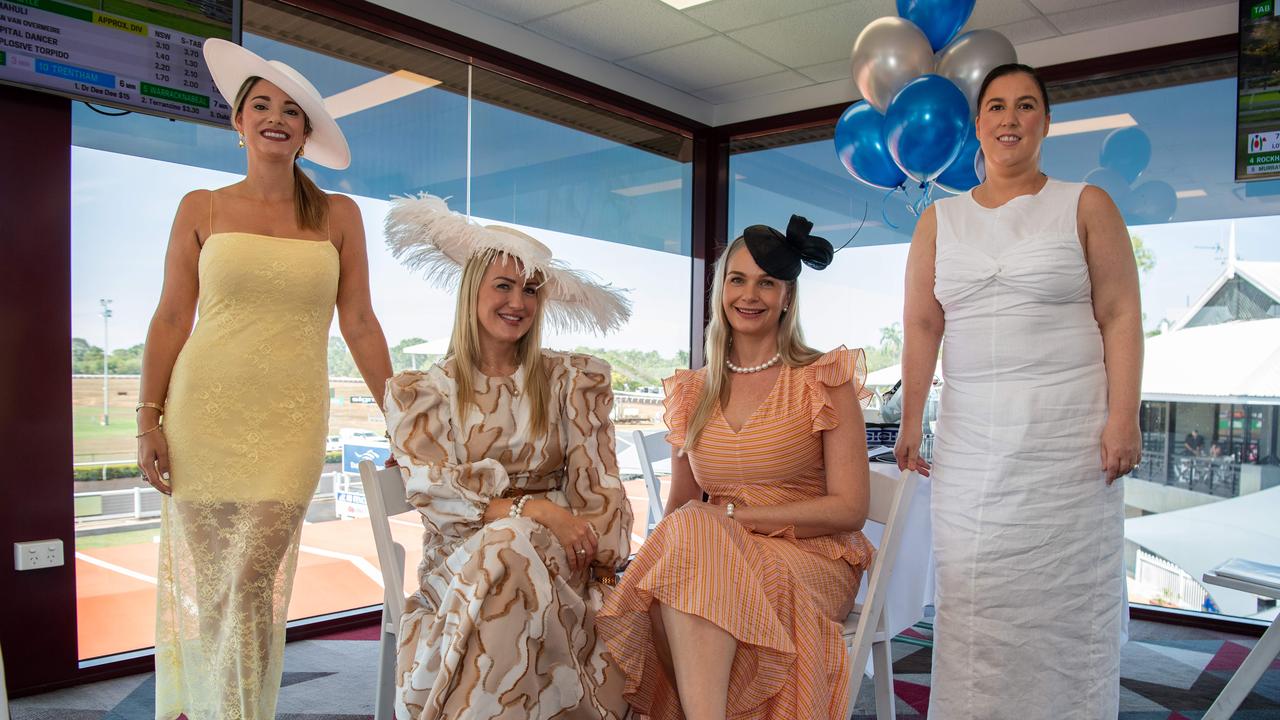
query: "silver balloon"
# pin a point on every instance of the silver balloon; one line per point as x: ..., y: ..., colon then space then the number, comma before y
x: 888, y: 54
x: 966, y: 61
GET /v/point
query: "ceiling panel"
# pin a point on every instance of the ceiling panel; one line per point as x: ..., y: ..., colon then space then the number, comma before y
x: 727, y: 51
x: 818, y: 36
x: 827, y: 72
x: 1124, y: 11
x: 522, y: 11
x: 705, y: 63
x: 777, y: 82
x: 989, y: 13
x: 1025, y: 31
x: 615, y: 29
x: 726, y: 15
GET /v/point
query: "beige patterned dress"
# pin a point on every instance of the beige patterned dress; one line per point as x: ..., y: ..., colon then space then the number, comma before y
x: 499, y: 627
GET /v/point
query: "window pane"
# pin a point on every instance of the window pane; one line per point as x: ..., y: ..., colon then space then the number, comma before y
x: 608, y: 194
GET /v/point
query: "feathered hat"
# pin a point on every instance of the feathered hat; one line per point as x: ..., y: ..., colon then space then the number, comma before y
x: 424, y: 234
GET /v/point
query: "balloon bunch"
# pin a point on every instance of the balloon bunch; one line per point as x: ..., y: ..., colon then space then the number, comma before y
x: 916, y: 116
x: 1124, y: 156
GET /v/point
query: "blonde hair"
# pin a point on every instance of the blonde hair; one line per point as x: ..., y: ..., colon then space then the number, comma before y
x: 791, y: 345
x: 464, y: 346
x: 310, y: 205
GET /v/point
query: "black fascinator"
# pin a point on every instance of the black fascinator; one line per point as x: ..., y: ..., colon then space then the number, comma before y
x: 780, y: 255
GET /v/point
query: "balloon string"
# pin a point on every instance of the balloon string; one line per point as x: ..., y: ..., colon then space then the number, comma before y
x: 884, y: 205
x: 865, y: 207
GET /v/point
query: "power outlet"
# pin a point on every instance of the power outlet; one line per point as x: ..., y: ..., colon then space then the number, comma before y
x: 37, y: 554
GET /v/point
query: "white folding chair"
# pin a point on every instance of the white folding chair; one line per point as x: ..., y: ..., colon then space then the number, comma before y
x: 650, y: 449
x: 864, y: 629
x: 1259, y: 658
x: 384, y: 493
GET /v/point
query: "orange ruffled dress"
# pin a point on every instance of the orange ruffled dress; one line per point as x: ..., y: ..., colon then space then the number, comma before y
x: 782, y: 597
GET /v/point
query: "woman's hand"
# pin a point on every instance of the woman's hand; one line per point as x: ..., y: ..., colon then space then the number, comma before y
x: 1121, y: 448
x: 907, y: 449
x: 576, y: 535
x: 153, y: 460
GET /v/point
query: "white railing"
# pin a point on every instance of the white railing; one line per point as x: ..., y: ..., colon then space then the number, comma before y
x: 141, y: 503
x: 1169, y: 581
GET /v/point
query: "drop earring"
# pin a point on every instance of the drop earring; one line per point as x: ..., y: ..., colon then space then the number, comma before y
x: 302, y: 151
x: 241, y: 139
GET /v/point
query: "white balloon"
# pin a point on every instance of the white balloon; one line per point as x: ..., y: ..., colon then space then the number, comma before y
x: 889, y: 53
x: 967, y: 59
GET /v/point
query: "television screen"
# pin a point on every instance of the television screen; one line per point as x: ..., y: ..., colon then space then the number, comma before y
x: 142, y: 55
x: 1258, y: 92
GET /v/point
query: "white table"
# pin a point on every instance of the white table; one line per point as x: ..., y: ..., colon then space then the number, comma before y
x: 1259, y: 658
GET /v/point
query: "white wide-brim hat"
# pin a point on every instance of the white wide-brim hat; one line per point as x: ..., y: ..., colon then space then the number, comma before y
x: 231, y: 65
x: 424, y: 234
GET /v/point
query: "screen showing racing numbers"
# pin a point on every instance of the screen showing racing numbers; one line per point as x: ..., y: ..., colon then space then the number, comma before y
x: 1258, y: 92
x: 140, y: 55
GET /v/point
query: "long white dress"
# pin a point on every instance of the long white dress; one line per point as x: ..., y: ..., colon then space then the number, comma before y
x: 1027, y: 534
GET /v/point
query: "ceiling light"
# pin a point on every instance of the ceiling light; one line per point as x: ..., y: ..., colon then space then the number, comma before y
x: 635, y: 190
x: 392, y: 86
x: 1104, y: 122
x: 682, y: 4
x: 1191, y: 193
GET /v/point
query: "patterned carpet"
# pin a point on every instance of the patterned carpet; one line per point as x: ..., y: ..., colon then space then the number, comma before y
x: 1167, y: 673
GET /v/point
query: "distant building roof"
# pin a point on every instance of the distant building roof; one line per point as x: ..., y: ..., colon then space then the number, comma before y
x: 1246, y: 290
x: 1230, y: 362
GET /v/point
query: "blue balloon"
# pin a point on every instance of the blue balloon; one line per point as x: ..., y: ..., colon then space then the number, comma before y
x: 1151, y: 202
x: 1112, y: 182
x: 962, y: 174
x: 861, y: 148
x: 940, y: 20
x: 925, y: 126
x: 1127, y: 151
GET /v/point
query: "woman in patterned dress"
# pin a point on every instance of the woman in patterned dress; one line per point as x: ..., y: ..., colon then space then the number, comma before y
x: 507, y: 451
x: 733, y: 608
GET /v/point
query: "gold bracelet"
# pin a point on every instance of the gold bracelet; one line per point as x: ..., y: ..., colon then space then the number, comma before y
x: 153, y: 406
x: 145, y: 432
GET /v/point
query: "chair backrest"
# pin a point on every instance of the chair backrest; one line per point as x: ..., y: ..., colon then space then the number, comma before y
x: 384, y: 493
x: 890, y: 500
x: 650, y: 449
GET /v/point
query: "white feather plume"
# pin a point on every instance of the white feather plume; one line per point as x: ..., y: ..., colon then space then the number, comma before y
x: 424, y: 235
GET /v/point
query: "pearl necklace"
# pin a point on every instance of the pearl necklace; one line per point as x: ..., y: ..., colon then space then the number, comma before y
x: 756, y: 368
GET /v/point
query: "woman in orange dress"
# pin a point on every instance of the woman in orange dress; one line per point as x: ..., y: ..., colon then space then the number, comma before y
x: 733, y: 607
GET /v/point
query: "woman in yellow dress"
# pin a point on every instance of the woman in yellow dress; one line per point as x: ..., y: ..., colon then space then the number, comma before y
x: 508, y: 453
x: 244, y: 397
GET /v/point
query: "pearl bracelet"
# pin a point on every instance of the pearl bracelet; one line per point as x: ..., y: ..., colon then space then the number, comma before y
x: 517, y: 507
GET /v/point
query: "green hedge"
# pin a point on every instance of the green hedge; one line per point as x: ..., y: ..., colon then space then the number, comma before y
x: 129, y: 470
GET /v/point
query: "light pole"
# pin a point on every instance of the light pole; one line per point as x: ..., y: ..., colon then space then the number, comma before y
x: 106, y: 351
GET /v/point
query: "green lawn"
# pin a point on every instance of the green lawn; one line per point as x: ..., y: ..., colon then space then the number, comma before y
x: 126, y: 537
x: 92, y: 441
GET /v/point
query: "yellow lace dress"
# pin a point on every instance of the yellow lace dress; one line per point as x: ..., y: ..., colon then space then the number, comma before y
x: 246, y: 416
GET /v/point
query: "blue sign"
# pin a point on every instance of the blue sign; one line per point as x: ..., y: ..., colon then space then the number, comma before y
x: 355, y: 453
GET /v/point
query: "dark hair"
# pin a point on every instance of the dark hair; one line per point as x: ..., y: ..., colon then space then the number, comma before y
x: 1000, y: 71
x: 310, y: 206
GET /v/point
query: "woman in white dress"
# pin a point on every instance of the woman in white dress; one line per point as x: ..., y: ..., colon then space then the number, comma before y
x: 1033, y: 285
